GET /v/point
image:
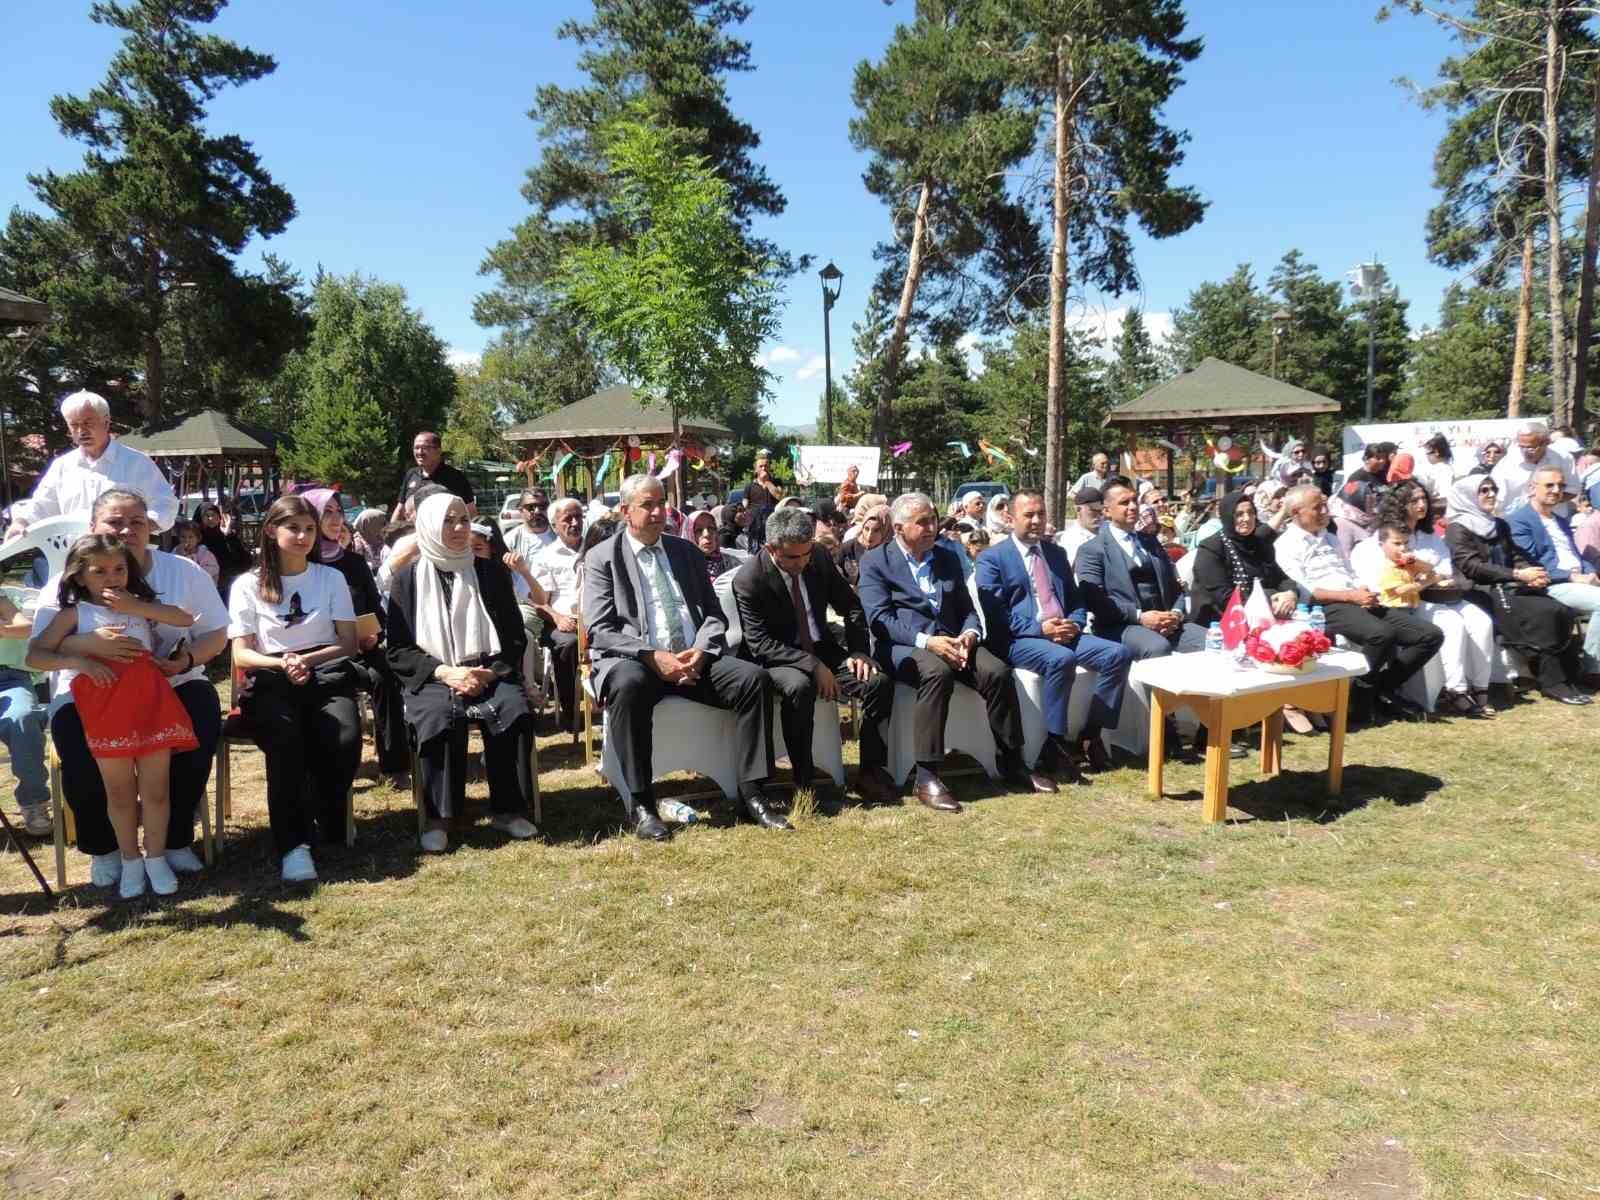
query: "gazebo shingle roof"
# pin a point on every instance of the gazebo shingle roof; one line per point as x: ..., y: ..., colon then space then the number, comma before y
x: 1221, y: 391
x: 17, y: 309
x: 207, y: 432
x: 613, y: 412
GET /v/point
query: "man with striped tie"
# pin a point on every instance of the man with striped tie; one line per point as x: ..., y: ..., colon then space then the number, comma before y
x: 656, y: 630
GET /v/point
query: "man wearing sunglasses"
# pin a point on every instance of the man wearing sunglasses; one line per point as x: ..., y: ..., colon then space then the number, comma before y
x: 534, y: 534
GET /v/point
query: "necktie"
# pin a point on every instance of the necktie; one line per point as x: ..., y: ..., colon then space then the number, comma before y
x: 1043, y: 589
x: 669, y: 600
x: 807, y: 642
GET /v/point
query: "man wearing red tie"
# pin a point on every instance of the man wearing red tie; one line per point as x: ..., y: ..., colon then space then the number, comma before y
x: 1035, y: 621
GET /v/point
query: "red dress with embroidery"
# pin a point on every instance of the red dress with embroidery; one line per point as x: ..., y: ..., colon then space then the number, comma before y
x: 137, y: 713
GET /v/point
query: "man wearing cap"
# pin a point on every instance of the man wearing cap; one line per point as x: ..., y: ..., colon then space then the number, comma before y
x: 74, y: 480
x: 1085, y: 523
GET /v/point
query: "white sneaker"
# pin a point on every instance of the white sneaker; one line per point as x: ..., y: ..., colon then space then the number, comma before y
x: 518, y: 827
x: 435, y: 841
x: 162, y: 881
x: 132, y: 885
x: 105, y: 869
x: 185, y: 859
x: 36, y: 820
x: 298, y: 867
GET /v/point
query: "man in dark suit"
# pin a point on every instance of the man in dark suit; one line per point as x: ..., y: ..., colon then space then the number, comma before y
x: 925, y: 633
x: 1130, y: 585
x: 1036, y: 621
x: 783, y: 594
x: 656, y: 630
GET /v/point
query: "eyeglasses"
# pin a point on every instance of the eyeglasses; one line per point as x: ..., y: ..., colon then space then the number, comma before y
x: 533, y: 507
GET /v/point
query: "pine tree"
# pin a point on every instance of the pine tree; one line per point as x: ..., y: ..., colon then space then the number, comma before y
x: 1137, y: 368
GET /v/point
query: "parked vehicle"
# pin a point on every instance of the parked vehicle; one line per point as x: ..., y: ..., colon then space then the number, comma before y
x: 988, y: 487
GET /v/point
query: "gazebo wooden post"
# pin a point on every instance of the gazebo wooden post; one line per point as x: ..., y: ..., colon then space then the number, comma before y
x: 1172, y: 467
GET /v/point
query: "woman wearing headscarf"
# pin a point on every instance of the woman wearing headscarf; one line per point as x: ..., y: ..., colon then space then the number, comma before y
x: 220, y: 535
x: 1467, y: 655
x: 731, y: 527
x: 1511, y: 586
x: 456, y: 643
x: 997, y: 519
x: 369, y: 526
x: 703, y: 533
x: 1489, y: 456
x: 1237, y: 556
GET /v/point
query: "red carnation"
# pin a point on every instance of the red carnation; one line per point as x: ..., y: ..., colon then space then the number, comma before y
x: 1263, y: 653
x: 1292, y: 655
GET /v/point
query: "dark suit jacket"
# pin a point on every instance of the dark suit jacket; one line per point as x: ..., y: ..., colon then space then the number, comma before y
x: 1528, y: 532
x: 896, y: 608
x: 613, y: 601
x: 413, y: 665
x: 771, y: 626
x: 1107, y: 582
x: 1005, y: 589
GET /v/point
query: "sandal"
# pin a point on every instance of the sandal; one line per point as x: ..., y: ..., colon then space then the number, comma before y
x: 1458, y: 704
x: 1297, y: 720
x: 1480, y: 697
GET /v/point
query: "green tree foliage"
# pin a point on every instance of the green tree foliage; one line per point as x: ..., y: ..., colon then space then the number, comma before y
x: 372, y: 375
x: 1012, y: 394
x: 679, y: 305
x: 1223, y: 320
x: 475, y: 428
x: 1137, y: 367
x: 1463, y: 368
x: 672, y: 56
x: 137, y: 256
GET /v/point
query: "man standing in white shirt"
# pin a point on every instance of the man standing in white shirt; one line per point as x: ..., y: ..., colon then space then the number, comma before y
x: 1098, y: 477
x: 74, y: 480
x: 1515, y: 471
x: 1396, y: 641
x: 555, y: 569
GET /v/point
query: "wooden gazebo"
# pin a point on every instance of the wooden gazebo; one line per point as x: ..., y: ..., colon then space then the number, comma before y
x: 602, y: 424
x: 1219, y: 397
x: 211, y: 451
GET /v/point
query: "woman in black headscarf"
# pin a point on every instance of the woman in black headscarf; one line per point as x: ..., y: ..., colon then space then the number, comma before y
x: 221, y: 536
x: 1236, y: 556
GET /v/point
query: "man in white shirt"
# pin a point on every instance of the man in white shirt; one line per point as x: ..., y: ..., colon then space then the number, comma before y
x: 656, y: 630
x: 1515, y: 471
x: 1396, y: 641
x: 98, y: 463
x: 1085, y: 523
x: 555, y: 569
x: 1096, y: 478
x: 534, y: 534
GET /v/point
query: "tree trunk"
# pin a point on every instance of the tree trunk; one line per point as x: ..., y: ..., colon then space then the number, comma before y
x: 1519, y: 354
x: 1559, y: 400
x: 152, y: 379
x: 1055, y: 465
x: 1582, y: 331
x: 902, y: 318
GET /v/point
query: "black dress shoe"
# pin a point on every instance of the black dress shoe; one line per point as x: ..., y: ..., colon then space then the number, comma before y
x: 1396, y: 707
x: 1565, y: 693
x: 826, y: 800
x: 1093, y: 751
x: 648, y: 827
x: 874, y: 786
x: 1020, y: 779
x: 756, y: 807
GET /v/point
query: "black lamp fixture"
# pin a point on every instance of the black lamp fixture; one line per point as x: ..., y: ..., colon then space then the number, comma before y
x: 830, y: 274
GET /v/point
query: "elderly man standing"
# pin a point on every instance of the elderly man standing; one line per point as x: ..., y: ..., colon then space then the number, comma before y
x: 656, y: 630
x: 972, y: 508
x: 74, y: 480
x: 1543, y: 533
x: 428, y: 453
x: 1396, y: 641
x: 1088, y: 510
x: 783, y: 593
x: 1514, y: 473
x: 1098, y: 477
x: 555, y: 569
x: 1036, y: 622
x: 925, y: 632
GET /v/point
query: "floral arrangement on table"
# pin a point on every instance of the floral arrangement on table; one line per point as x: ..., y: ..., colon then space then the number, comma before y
x: 1256, y: 636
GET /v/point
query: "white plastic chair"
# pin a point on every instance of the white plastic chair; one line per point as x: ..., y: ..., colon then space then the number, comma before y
x: 53, y: 537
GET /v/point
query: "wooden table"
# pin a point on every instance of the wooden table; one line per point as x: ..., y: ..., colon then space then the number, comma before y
x: 1225, y: 697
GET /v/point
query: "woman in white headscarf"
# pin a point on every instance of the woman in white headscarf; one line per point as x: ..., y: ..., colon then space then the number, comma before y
x: 998, y: 519
x: 455, y: 643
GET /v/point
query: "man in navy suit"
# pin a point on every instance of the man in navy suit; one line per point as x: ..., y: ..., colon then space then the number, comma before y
x: 1036, y: 621
x: 925, y: 633
x: 1130, y: 585
x: 1544, y: 535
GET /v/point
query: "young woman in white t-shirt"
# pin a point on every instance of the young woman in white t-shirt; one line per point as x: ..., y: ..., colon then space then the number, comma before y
x: 293, y: 627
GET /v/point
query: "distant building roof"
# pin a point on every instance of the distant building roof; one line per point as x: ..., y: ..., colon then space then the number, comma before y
x: 17, y: 309
x: 206, y: 432
x: 614, y: 412
x: 1216, y: 390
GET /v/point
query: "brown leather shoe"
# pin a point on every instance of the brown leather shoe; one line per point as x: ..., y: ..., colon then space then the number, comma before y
x: 936, y: 796
x: 874, y: 786
x: 1024, y: 780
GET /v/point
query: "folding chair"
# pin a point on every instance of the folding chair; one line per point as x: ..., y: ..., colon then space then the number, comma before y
x: 416, y: 782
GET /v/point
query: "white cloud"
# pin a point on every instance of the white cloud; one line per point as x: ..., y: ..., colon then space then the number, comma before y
x: 812, y: 368
x: 458, y: 357
x: 778, y: 356
x: 1106, y: 324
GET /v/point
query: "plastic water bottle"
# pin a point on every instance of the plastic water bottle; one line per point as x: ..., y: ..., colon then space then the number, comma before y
x: 676, y: 812
x: 1302, y: 614
x: 1319, y: 620
x: 1214, y: 638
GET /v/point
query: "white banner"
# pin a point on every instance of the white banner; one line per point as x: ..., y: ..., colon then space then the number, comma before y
x: 1466, y: 438
x: 827, y: 464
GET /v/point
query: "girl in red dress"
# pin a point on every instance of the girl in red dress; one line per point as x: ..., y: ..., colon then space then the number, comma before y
x: 132, y: 719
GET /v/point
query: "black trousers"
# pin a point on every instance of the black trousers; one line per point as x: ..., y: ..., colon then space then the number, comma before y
x: 442, y: 769
x: 187, y: 778
x: 631, y: 691
x: 797, y: 709
x: 1396, y: 641
x: 563, y: 649
x: 389, y: 713
x: 936, y: 679
x: 307, y: 733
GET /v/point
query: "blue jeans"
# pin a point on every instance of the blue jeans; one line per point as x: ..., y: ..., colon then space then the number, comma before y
x: 22, y: 730
x: 1583, y: 598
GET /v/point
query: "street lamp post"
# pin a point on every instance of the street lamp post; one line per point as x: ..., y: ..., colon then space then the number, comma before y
x: 1280, y: 326
x: 830, y: 274
x: 1370, y: 282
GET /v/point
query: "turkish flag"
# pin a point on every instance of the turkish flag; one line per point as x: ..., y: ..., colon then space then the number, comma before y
x: 1235, y: 625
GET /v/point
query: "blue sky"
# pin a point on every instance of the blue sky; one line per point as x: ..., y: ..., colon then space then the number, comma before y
x: 401, y: 130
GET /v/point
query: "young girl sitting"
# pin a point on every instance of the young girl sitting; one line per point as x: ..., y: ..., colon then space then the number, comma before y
x: 132, y: 719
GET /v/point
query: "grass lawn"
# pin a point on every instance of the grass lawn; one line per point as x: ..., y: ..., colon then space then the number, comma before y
x: 1087, y: 994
